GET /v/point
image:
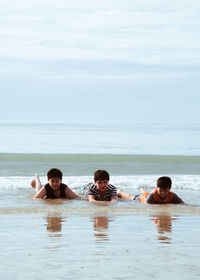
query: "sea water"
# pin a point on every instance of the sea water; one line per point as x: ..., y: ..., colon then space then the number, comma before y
x: 100, y: 138
x: 60, y: 239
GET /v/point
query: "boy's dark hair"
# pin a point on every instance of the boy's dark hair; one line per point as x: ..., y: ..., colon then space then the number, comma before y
x: 101, y: 175
x: 54, y: 173
x: 164, y: 182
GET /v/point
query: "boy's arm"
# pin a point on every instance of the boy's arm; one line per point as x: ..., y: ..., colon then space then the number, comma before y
x: 91, y: 198
x: 113, y: 194
x: 177, y: 200
x: 114, y: 198
x: 70, y: 194
x: 41, y: 194
x: 150, y: 199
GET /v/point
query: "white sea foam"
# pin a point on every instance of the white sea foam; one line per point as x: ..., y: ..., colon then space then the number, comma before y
x: 128, y: 183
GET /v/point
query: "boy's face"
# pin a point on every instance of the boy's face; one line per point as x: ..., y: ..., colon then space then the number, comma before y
x: 163, y: 192
x: 102, y: 185
x: 55, y: 183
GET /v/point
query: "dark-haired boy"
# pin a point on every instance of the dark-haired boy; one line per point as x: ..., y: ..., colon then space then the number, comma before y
x: 161, y: 195
x: 100, y: 190
x: 55, y: 188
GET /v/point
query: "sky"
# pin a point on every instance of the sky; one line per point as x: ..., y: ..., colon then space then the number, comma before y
x: 115, y: 60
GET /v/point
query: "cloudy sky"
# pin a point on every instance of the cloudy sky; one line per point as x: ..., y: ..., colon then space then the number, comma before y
x: 130, y: 60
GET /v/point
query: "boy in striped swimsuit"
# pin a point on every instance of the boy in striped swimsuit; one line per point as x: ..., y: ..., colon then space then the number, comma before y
x: 100, y: 190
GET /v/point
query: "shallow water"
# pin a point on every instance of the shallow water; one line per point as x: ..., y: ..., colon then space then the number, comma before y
x: 76, y: 240
x: 60, y: 239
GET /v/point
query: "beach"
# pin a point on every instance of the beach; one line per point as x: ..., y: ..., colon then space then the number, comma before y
x: 61, y: 239
x: 72, y: 239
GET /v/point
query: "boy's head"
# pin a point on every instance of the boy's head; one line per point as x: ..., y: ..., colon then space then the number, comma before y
x: 101, y: 179
x: 164, y: 185
x: 54, y: 177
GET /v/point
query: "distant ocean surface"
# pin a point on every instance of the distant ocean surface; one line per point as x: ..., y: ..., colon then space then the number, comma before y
x: 100, y: 138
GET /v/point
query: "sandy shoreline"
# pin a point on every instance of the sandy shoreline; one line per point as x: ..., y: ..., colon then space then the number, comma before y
x: 82, y: 241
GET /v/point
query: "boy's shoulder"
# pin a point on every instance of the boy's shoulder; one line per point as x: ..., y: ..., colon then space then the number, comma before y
x: 89, y: 186
x: 111, y: 187
x: 93, y: 186
x: 64, y: 185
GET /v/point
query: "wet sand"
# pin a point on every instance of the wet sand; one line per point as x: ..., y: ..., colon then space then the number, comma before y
x: 76, y: 240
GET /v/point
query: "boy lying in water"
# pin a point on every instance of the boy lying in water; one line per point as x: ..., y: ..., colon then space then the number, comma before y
x: 100, y: 190
x: 161, y: 195
x: 55, y: 188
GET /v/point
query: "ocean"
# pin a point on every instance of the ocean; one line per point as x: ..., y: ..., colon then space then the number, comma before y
x: 75, y: 239
x: 100, y: 138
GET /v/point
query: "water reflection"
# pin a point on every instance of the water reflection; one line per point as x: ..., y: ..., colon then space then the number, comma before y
x: 164, y: 227
x: 54, y: 225
x: 54, y: 229
x: 100, y: 228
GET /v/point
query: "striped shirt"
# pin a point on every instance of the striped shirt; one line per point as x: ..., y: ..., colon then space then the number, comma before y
x: 91, y: 189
